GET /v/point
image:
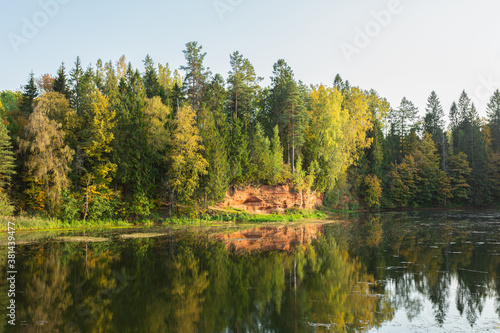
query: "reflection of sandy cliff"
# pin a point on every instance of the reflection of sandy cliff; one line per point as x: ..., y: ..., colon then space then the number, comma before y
x: 270, y: 238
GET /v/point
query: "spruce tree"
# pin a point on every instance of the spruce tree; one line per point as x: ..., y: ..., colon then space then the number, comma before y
x: 76, y: 90
x: 60, y: 83
x: 493, y: 112
x: 29, y: 96
x: 434, y: 125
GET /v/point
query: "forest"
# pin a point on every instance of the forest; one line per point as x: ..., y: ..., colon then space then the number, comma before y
x: 110, y: 140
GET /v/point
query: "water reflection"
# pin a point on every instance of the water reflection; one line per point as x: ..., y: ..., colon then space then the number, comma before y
x: 426, y: 270
x: 446, y: 263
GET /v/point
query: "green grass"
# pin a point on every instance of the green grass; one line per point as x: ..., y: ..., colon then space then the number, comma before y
x: 238, y: 216
x: 24, y: 223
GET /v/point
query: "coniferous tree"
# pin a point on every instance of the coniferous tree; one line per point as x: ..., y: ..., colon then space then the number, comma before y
x: 77, y: 89
x: 434, y: 124
x: 215, y: 137
x: 404, y: 121
x: 239, y: 158
x: 196, y: 74
x: 288, y: 110
x: 60, y: 82
x: 243, y: 86
x: 131, y: 153
x: 379, y: 109
x: 216, y: 182
x: 151, y: 83
x: 99, y: 75
x: 459, y: 173
x: 30, y: 93
x: 493, y: 112
x: 276, y: 159
x: 261, y: 155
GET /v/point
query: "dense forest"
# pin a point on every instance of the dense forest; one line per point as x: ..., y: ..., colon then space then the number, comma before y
x: 111, y: 140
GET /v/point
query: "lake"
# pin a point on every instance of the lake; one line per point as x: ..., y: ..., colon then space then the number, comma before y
x: 431, y: 271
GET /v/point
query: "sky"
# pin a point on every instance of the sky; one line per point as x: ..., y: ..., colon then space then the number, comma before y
x: 400, y: 48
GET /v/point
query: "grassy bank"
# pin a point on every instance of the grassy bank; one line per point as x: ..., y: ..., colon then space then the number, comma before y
x: 22, y: 223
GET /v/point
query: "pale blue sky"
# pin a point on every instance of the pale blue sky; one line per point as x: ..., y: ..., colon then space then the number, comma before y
x: 424, y: 45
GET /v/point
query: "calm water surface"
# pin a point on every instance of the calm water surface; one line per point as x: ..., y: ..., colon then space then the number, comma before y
x: 390, y: 272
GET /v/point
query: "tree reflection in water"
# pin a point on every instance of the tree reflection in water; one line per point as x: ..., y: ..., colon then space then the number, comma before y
x: 356, y: 277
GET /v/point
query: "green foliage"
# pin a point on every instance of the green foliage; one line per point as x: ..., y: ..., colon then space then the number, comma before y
x: 239, y: 158
x: 187, y: 161
x: 30, y: 93
x: 61, y: 84
x: 7, y: 164
x: 418, y: 180
x: 216, y: 182
x: 6, y: 206
x: 49, y: 154
x: 196, y: 74
x: 100, y: 208
x: 243, y: 87
x: 276, y: 174
x: 141, y: 206
x: 372, y: 191
x: 459, y: 173
x: 70, y: 207
x: 434, y: 122
x: 154, y: 139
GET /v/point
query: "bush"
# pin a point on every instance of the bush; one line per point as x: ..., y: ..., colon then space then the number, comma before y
x: 6, y: 207
x: 70, y: 208
x: 100, y: 208
x: 141, y: 206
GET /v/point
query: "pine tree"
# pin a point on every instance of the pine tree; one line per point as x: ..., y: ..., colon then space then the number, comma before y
x: 453, y: 116
x: 434, y: 124
x: 196, y: 74
x: 404, y: 121
x: 150, y: 79
x: 458, y: 173
x: 131, y: 151
x: 76, y: 89
x: 243, y: 86
x: 276, y: 159
x: 60, y: 83
x: 288, y: 110
x: 216, y: 182
x: 239, y: 157
x: 379, y: 109
x: 261, y: 155
x: 29, y: 96
x: 99, y: 75
x: 296, y: 120
x: 493, y: 112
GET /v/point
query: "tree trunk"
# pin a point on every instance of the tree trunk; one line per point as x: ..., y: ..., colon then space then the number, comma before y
x: 87, y: 199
